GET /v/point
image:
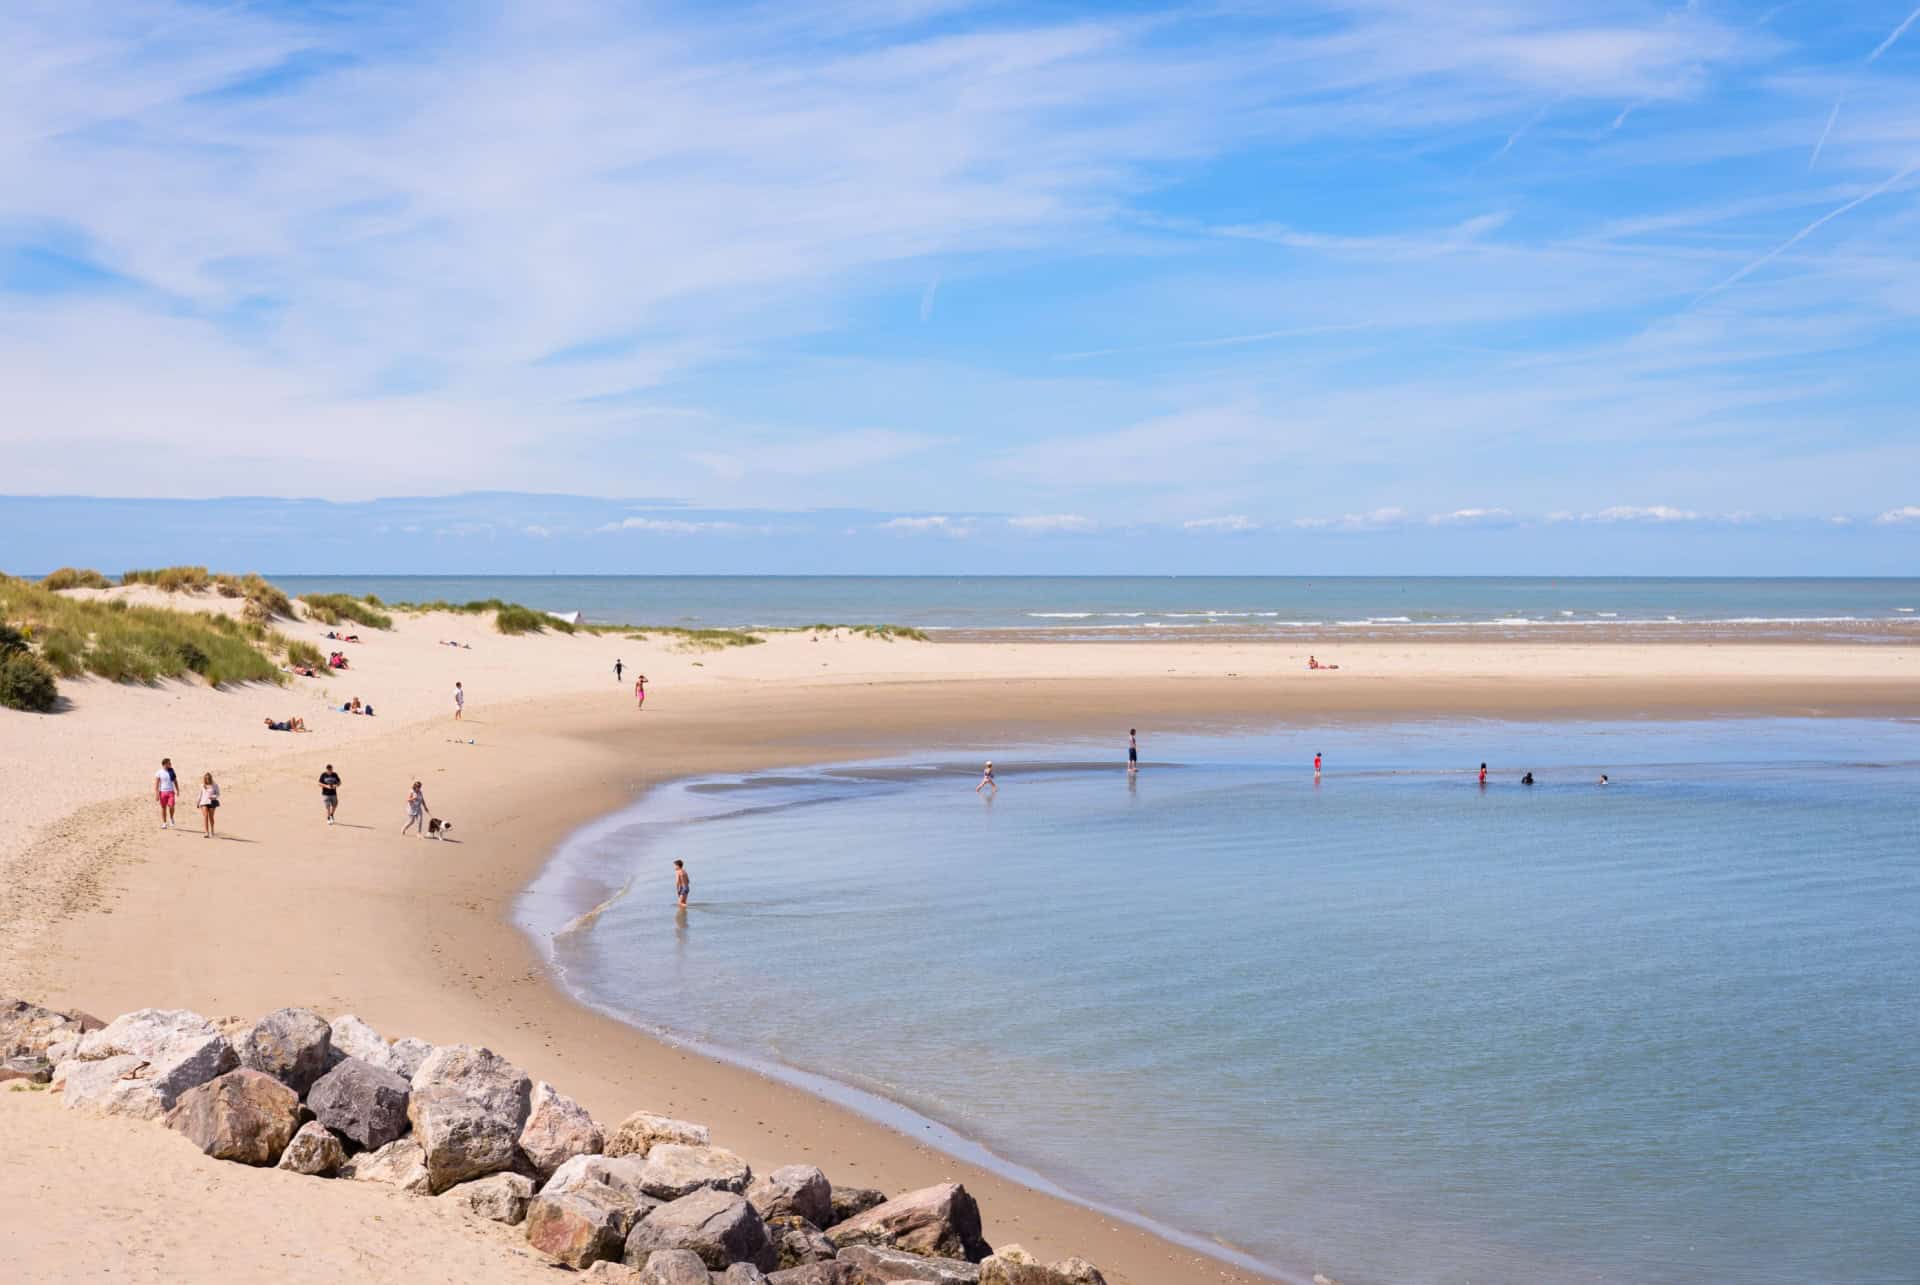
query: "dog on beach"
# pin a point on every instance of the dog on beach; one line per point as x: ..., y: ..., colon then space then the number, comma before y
x: 438, y: 829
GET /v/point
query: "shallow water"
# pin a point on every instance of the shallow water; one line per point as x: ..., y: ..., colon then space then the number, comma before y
x: 1390, y: 1026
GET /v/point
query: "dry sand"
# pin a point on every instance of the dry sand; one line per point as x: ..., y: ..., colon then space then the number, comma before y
x: 101, y: 910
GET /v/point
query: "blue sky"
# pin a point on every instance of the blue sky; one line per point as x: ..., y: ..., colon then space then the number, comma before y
x: 914, y: 284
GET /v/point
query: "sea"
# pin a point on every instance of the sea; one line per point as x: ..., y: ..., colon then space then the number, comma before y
x: 1125, y: 608
x: 1384, y: 1023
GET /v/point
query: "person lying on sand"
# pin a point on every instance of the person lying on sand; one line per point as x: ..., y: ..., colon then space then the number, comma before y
x: 290, y: 725
x: 304, y: 671
x: 1313, y: 662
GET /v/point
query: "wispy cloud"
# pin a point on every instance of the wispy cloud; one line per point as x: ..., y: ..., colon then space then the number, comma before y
x: 1374, y: 520
x: 1894, y: 35
x: 1631, y: 513
x: 1230, y: 522
x: 931, y: 524
x: 676, y: 526
x: 1904, y: 514
x: 1053, y: 522
x: 1807, y: 231
x: 1473, y: 517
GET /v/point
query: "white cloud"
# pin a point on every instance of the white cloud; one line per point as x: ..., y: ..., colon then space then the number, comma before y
x: 1053, y: 522
x: 931, y: 524
x: 1900, y: 516
x: 1473, y: 517
x: 1376, y: 520
x: 678, y: 526
x: 1231, y: 522
x: 1645, y: 513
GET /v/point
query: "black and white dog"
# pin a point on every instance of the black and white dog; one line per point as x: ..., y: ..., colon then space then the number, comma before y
x: 438, y: 829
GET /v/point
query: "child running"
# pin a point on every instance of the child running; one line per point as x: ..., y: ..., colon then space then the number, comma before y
x: 986, y: 780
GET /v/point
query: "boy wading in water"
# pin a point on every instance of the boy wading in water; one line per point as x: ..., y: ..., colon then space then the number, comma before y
x: 1133, y: 750
x: 166, y: 790
x: 682, y: 885
x: 330, y: 791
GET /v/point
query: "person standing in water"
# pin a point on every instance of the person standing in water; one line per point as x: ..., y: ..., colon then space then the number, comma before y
x: 166, y: 790
x: 618, y: 669
x: 1316, y: 765
x: 1133, y: 750
x: 330, y: 791
x: 682, y: 884
x: 1483, y: 774
x: 459, y: 700
x: 986, y: 780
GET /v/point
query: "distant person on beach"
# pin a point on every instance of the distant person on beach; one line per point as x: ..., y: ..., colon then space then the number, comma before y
x: 682, y: 884
x: 986, y: 780
x: 1133, y: 749
x: 640, y: 692
x: 1483, y: 774
x: 1603, y: 778
x: 166, y: 789
x: 330, y: 791
x: 618, y: 669
x: 1313, y: 662
x: 1316, y: 763
x: 1527, y: 779
x: 459, y: 701
x: 417, y: 812
x: 209, y: 803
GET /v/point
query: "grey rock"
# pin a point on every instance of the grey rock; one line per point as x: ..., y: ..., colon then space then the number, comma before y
x: 797, y: 1242
x: 28, y: 1030
x: 498, y: 1197
x: 742, y: 1274
x: 406, y: 1055
x: 800, y: 1190
x: 833, y: 1273
x: 245, y: 1116
x: 607, y: 1272
x: 623, y: 1174
x: 143, y: 1033
x: 399, y: 1164
x: 32, y: 1068
x: 674, y: 1170
x: 879, y: 1263
x: 577, y: 1227
x: 149, y: 1086
x: 88, y: 1086
x: 352, y: 1037
x: 363, y: 1103
x: 849, y: 1201
x: 290, y: 1044
x: 314, y: 1151
x: 719, y: 1226
x: 674, y: 1267
x: 468, y: 1106
x: 635, y: 1135
x: 1015, y: 1266
x: 557, y: 1129
x: 940, y: 1222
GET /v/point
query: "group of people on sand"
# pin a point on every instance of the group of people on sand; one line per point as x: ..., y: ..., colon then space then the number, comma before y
x: 355, y: 707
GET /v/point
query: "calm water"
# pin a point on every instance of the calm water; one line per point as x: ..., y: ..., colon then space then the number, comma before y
x: 1392, y: 1026
x: 1233, y: 606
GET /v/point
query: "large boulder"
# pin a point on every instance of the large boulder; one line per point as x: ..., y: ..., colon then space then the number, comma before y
x: 848, y: 1201
x: 877, y: 1263
x: 635, y: 1135
x: 743, y: 1274
x: 830, y: 1273
x: 1015, y: 1266
x: 578, y: 1227
x: 498, y: 1197
x: 622, y: 1174
x: 363, y: 1103
x: 719, y: 1226
x: 674, y: 1170
x: 143, y: 1033
x: 246, y: 1116
x: 399, y: 1164
x: 293, y: 1045
x: 797, y: 1242
x: 468, y: 1106
x: 31, y: 1067
x: 352, y: 1037
x: 28, y: 1030
x: 800, y: 1190
x: 314, y: 1151
x: 674, y: 1267
x: 149, y: 1085
x: 406, y: 1055
x: 557, y: 1129
x: 939, y: 1222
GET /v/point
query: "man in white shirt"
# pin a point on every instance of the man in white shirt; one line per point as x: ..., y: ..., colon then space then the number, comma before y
x: 166, y: 788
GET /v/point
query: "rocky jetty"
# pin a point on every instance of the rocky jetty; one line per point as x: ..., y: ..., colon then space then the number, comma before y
x: 651, y: 1201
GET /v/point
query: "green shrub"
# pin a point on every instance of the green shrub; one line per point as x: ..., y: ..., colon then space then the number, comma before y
x: 305, y: 653
x: 515, y: 619
x: 26, y: 682
x: 137, y: 644
x: 76, y: 578
x: 11, y: 640
x: 64, y: 652
x: 170, y: 579
x: 332, y: 608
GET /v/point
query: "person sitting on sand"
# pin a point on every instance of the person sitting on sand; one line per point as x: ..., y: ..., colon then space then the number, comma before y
x: 353, y: 706
x: 986, y: 780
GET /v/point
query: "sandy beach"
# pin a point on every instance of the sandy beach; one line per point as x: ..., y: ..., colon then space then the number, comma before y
x: 104, y: 911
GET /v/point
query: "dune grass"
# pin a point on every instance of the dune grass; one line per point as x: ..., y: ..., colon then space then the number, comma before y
x: 76, y: 578
x: 170, y: 579
x: 885, y: 633
x: 332, y: 608
x: 300, y: 652
x: 137, y: 644
x: 697, y: 639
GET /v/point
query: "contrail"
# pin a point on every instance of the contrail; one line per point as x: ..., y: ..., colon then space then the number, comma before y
x: 1804, y: 233
x: 1898, y: 32
x: 1832, y: 116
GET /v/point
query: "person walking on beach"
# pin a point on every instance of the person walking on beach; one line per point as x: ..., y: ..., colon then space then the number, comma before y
x: 682, y: 885
x: 209, y: 803
x: 618, y: 669
x: 986, y: 780
x: 166, y: 789
x: 417, y: 812
x: 459, y: 700
x: 640, y: 692
x: 1133, y: 750
x: 330, y: 791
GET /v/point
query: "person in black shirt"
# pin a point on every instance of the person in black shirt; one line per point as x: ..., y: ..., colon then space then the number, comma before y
x: 330, y: 791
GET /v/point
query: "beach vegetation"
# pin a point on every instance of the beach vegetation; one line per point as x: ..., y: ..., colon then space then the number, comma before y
x: 885, y: 633
x: 301, y: 652
x: 512, y: 618
x: 76, y: 578
x: 136, y: 644
x: 27, y: 683
x: 697, y: 639
x: 333, y: 608
x: 170, y: 579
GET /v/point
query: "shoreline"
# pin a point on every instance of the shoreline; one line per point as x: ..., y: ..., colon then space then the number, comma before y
x: 423, y: 939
